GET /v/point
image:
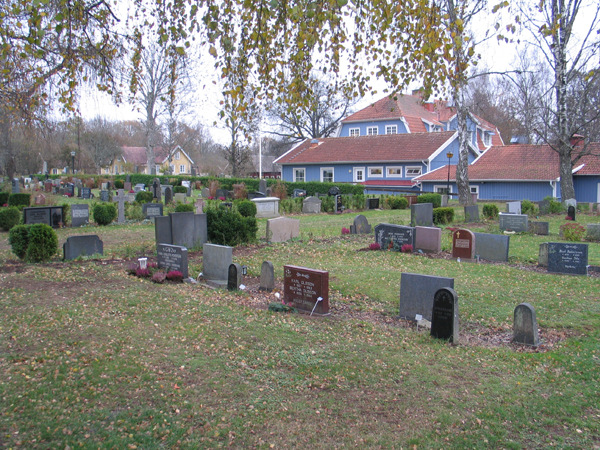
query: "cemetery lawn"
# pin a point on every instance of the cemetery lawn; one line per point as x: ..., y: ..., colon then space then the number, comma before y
x: 92, y: 357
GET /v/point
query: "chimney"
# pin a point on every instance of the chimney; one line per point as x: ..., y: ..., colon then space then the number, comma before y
x: 576, y: 140
x: 314, y: 143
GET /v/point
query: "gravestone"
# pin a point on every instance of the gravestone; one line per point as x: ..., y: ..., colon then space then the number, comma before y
x: 162, y: 229
x: 282, y: 229
x: 216, y: 260
x: 173, y: 257
x: 298, y: 193
x: 205, y: 193
x: 128, y: 178
x: 180, y: 197
x: 267, y: 276
x: 266, y: 207
x: 571, y: 202
x: 199, y: 205
x: 539, y: 228
x: 80, y: 215
x: 70, y: 190
x: 544, y: 206
x: 168, y: 195
x: 543, y: 255
x: 15, y: 186
x: 222, y: 194
x: 256, y: 194
x: 156, y: 190
x: 83, y: 245
x: 514, y: 222
x: 513, y: 207
x: 306, y: 289
x: 492, y: 247
x: 371, y: 203
x: 139, y: 187
x: 421, y: 214
x: 463, y: 244
x: 188, y: 229
x: 525, y: 328
x: 593, y: 232
x: 417, y: 292
x: 444, y: 315
x: 152, y: 210
x: 48, y: 186
x: 86, y: 193
x: 444, y: 200
x: 50, y: 215
x: 104, y: 186
x: 40, y: 199
x: 262, y: 186
x: 120, y: 198
x: 234, y: 277
x: 568, y: 258
x: 472, y: 213
x: 127, y: 186
x: 393, y: 237
x: 571, y: 212
x: 360, y: 225
x: 104, y: 196
x: 311, y: 205
x: 428, y: 239
x: 339, y: 207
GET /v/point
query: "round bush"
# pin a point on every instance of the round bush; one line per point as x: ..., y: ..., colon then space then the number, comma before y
x: 119, y: 184
x: 246, y: 208
x: 228, y: 227
x: 184, y: 207
x: 490, y: 211
x: 397, y: 202
x: 19, y: 200
x: 436, y: 199
x: 104, y: 213
x: 18, y: 239
x: 528, y: 207
x: 43, y: 243
x: 144, y: 197
x: 9, y: 217
x: 179, y: 190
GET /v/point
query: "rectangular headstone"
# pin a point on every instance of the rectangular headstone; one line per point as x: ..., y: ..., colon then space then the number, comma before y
x: 543, y: 255
x: 539, y: 228
x: 86, y: 193
x: 444, y: 315
x: 104, y: 196
x: 179, y: 198
x: 371, y: 203
x: 80, y: 215
x: 152, y: 210
x: 216, y: 260
x: 390, y: 236
x: 568, y: 258
x: 421, y: 214
x: 513, y: 207
x: 472, y: 213
x: 183, y: 229
x: 311, y: 205
x: 222, y: 194
x: 173, y: 257
x: 492, y: 247
x: 303, y: 287
x: 15, y: 186
x: 50, y: 215
x: 544, y: 206
x: 162, y: 230
x: 83, y: 245
x: 514, y: 222
x: 417, y: 292
x: 127, y: 186
x: 266, y: 207
x: 262, y: 186
x: 428, y: 239
x: 282, y: 229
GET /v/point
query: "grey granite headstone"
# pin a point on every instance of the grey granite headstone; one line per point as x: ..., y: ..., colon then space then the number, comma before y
x: 266, y: 207
x: 216, y: 261
x: 82, y: 245
x: 444, y: 200
x: 282, y: 229
x: 180, y: 197
x: 173, y: 257
x: 162, y: 230
x: 360, y: 225
x: 80, y: 215
x: 514, y: 222
x: 539, y: 228
x: 421, y: 214
x: 152, y: 210
x: 544, y: 206
x: 234, y: 277
x: 444, y: 315
x: 15, y: 186
x: 525, y: 327
x: 472, y: 213
x: 267, y: 276
x: 417, y: 292
x: 513, y: 207
x: 492, y: 247
x: 205, y: 193
x: 568, y: 258
x: 104, y: 196
x: 188, y: 229
x: 393, y: 237
x: 262, y: 186
x: 428, y: 239
x: 311, y: 205
x: 543, y: 255
x: 168, y: 195
x: 593, y: 232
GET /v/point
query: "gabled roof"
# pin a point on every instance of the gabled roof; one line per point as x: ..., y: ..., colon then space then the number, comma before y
x: 137, y: 155
x: 518, y: 163
x: 381, y: 148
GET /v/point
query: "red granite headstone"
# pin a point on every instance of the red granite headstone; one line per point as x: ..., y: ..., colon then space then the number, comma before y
x: 303, y: 287
x: 463, y: 244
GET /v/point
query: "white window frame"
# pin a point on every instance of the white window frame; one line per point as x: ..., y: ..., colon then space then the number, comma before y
x: 323, y: 169
x: 391, y: 129
x: 156, y: 169
x: 354, y: 132
x: 375, y: 175
x: 372, y: 131
x: 296, y: 178
x: 393, y: 175
x: 441, y: 188
x: 181, y: 168
x: 411, y: 169
x: 487, y: 139
x: 474, y: 189
x: 177, y: 155
x: 355, y: 177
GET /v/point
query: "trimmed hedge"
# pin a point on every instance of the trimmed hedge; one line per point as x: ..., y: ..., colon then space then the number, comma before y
x: 18, y: 238
x: 443, y: 216
x: 397, y: 202
x: 436, y: 199
x: 33, y: 243
x: 490, y: 211
x: 4, y: 198
x: 184, y: 207
x: 144, y: 197
x: 228, y: 227
x: 9, y: 217
x: 19, y: 200
x: 179, y: 190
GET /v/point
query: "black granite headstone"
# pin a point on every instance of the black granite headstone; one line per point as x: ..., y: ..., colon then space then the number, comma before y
x: 173, y: 257
x: 86, y: 193
x: 104, y: 196
x: 525, y: 328
x: 338, y: 204
x: 444, y: 315
x: 568, y: 258
x: 372, y: 203
x: 234, y: 276
x: 393, y: 237
x: 82, y: 245
x: 571, y: 212
x: 80, y: 214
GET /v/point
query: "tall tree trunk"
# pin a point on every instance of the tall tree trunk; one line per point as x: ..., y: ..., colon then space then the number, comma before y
x: 150, y: 137
x: 462, y: 168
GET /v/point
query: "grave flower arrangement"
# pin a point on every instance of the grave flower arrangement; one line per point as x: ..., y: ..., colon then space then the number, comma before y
x: 572, y: 231
x: 345, y: 230
x: 155, y: 274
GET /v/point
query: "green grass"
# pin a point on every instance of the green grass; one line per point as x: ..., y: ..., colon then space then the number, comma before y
x: 92, y: 357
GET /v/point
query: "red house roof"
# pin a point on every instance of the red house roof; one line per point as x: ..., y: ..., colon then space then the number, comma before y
x: 137, y: 155
x: 381, y: 148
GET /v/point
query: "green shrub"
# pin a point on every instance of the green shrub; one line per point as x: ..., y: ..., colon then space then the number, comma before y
x: 4, y: 198
x: 554, y: 206
x: 119, y: 184
x: 436, y: 199
x: 490, y: 211
x: 397, y: 202
x: 66, y: 214
x: 443, y: 215
x: 104, y: 213
x: 43, y: 243
x: 328, y: 203
x: 18, y: 238
x: 144, y: 197
x: 572, y: 231
x: 291, y: 205
x: 184, y: 207
x: 134, y: 212
x: 228, y: 227
x: 246, y: 208
x: 528, y: 207
x: 19, y: 200
x: 179, y: 190
x: 9, y: 217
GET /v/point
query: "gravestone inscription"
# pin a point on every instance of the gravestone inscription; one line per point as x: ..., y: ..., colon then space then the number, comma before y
x: 306, y: 289
x: 86, y: 193
x: 80, y: 215
x: 173, y: 257
x: 568, y: 258
x: 50, y: 215
x: 152, y: 210
x: 463, y: 244
x: 390, y: 236
x: 514, y: 222
x: 525, y: 328
x: 444, y: 315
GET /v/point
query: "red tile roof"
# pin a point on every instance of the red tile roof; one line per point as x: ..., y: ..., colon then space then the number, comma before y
x: 381, y: 148
x: 137, y: 155
x: 518, y: 162
x: 387, y: 108
x: 387, y: 183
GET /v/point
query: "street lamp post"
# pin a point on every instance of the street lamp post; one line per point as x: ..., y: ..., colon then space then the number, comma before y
x: 73, y: 163
x: 449, y: 155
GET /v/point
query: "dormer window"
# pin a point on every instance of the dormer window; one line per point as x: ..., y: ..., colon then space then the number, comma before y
x: 487, y: 139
